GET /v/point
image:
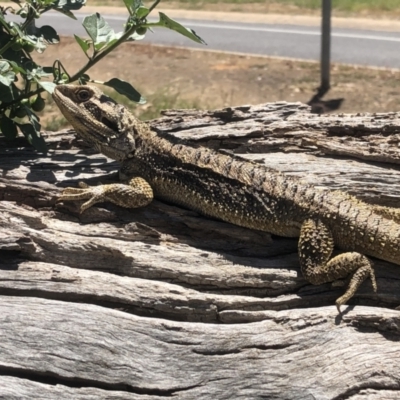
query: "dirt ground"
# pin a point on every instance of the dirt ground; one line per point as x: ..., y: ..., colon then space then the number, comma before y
x: 181, y: 78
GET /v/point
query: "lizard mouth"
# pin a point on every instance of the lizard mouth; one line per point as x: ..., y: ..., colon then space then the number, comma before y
x: 110, y: 124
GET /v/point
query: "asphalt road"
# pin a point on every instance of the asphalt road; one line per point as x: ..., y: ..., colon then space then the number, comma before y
x: 362, y: 47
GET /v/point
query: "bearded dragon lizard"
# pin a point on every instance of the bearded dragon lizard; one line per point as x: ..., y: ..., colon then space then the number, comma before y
x: 233, y: 190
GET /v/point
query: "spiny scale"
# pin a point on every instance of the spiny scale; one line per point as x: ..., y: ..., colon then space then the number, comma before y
x: 231, y: 189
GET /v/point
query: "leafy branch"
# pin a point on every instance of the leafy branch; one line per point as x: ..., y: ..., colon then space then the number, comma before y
x: 22, y: 81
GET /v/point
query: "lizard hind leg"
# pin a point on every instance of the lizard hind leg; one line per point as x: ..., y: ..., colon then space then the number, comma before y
x: 315, y: 250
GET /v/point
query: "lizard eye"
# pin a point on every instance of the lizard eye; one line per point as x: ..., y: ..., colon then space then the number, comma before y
x: 83, y: 95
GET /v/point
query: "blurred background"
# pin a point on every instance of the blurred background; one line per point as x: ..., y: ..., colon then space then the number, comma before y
x: 257, y: 51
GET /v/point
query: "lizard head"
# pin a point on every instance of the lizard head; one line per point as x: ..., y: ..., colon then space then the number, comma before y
x: 98, y: 119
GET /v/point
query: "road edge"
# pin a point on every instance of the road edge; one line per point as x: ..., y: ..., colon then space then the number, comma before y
x: 386, y: 25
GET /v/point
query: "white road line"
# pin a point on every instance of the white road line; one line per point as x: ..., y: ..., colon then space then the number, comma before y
x: 260, y: 29
x: 297, y: 32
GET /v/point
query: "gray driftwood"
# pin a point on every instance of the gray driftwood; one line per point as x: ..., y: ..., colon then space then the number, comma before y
x: 161, y: 302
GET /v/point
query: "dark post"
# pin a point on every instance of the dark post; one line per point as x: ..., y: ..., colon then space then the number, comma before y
x: 318, y: 105
x: 325, y: 47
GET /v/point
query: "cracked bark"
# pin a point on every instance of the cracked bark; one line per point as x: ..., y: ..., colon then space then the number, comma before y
x: 160, y: 301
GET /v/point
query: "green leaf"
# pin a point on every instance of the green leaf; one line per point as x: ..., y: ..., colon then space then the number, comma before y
x: 82, y: 43
x: 11, y: 55
x: 129, y: 5
x: 137, y: 4
x: 4, y: 66
x: 7, y: 76
x: 34, y: 120
x: 67, y: 5
x: 16, y: 68
x: 98, y: 46
x: 84, y: 79
x: 132, y: 5
x: 36, y: 40
x: 37, y: 72
x: 45, y: 2
x: 106, y: 45
x: 49, y: 34
x: 8, y: 93
x: 33, y: 135
x: 142, y: 12
x: 17, y: 27
x: 169, y: 23
x: 47, y: 86
x: 8, y: 128
x: 98, y: 29
x: 66, y: 13
x: 126, y: 89
x: 3, y: 21
x: 135, y: 37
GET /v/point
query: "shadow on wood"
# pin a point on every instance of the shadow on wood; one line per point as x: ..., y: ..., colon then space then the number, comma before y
x: 161, y: 301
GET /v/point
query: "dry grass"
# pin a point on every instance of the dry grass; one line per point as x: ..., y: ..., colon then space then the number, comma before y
x: 180, y: 78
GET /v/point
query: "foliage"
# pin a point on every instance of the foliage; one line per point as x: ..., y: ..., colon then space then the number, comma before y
x: 22, y: 80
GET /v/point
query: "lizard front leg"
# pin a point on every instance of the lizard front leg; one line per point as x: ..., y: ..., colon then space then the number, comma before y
x: 136, y: 193
x: 315, y: 250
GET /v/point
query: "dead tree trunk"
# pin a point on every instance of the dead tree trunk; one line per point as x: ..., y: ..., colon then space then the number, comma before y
x: 160, y: 301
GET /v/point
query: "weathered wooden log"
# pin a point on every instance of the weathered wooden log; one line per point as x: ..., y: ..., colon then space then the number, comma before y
x: 160, y: 301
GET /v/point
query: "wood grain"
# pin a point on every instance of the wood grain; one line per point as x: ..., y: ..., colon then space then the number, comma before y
x: 160, y: 301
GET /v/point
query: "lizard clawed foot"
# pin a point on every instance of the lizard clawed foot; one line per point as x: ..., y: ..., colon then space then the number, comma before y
x: 95, y: 194
x: 356, y: 280
x: 315, y: 250
x: 136, y: 193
